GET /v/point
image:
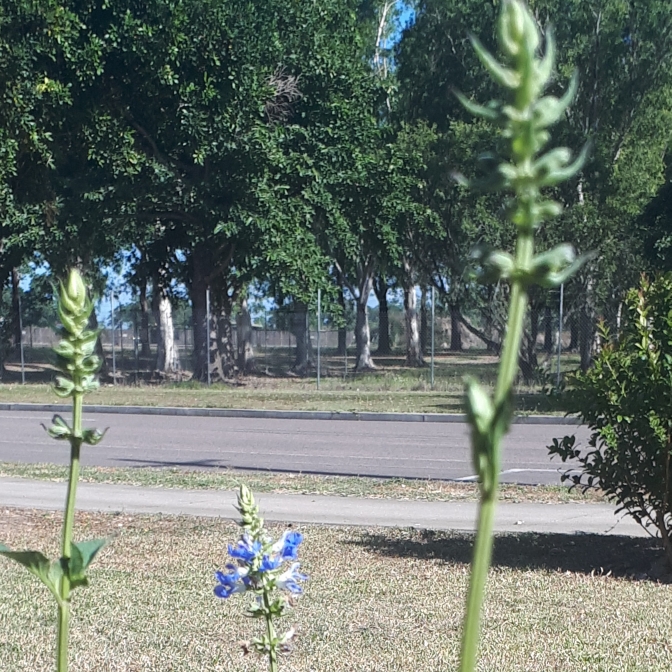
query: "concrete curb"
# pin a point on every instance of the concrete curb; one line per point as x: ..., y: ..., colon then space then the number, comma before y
x: 284, y: 415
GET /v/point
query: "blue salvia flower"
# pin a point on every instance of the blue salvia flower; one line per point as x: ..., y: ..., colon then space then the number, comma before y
x: 246, y: 549
x: 289, y: 580
x: 260, y: 569
x: 288, y: 546
x: 236, y: 581
x: 270, y: 563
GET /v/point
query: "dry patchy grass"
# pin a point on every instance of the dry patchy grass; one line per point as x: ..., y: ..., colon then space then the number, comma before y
x: 391, y: 388
x: 301, y: 484
x: 377, y: 600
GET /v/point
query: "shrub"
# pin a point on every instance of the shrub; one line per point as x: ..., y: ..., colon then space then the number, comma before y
x: 626, y: 400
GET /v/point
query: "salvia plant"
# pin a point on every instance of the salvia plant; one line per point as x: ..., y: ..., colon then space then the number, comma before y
x: 523, y: 117
x: 78, y: 366
x: 260, y: 568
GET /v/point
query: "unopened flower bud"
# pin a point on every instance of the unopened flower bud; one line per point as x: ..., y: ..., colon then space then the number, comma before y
x: 76, y: 289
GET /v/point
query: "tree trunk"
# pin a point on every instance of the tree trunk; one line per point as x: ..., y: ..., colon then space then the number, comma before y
x: 413, y: 351
x: 342, y: 331
x: 222, y: 355
x: 16, y: 310
x: 380, y: 288
x: 455, y: 329
x: 363, y: 340
x: 156, y: 298
x: 548, y: 330
x: 586, y: 337
x: 104, y: 371
x: 363, y: 360
x: 244, y: 338
x: 198, y: 289
x: 424, y: 322
x: 573, y: 333
x: 302, y: 359
x: 144, y: 321
x: 530, y: 352
x: 3, y: 334
x: 167, y: 359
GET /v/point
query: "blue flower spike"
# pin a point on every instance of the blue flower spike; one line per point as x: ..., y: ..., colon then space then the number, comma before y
x: 260, y: 568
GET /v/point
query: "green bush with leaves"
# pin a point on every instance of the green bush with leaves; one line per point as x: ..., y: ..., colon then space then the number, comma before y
x: 626, y: 400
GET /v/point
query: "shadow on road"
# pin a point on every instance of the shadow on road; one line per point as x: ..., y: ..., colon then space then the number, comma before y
x: 623, y: 557
x: 217, y: 465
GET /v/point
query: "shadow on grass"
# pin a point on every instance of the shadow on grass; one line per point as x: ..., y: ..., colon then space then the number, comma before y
x: 623, y: 557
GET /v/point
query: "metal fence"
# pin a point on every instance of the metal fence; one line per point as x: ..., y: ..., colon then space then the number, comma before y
x: 551, y: 333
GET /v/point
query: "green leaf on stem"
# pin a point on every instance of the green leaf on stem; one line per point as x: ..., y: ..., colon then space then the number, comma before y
x: 59, y: 430
x: 37, y: 563
x: 82, y: 554
x: 93, y: 436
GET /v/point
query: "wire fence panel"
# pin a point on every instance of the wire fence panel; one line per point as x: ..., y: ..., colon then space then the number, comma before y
x: 284, y: 342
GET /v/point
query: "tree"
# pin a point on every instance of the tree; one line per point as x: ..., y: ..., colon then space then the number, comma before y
x: 622, y: 50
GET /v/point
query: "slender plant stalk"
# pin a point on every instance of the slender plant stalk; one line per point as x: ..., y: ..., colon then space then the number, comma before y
x: 270, y: 631
x: 69, y: 519
x: 523, y: 120
x: 486, y: 512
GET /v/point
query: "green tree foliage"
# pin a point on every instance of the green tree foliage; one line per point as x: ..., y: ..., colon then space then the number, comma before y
x: 622, y: 52
x: 625, y: 400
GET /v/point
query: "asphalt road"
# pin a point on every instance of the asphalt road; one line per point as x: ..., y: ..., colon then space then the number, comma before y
x: 401, y: 449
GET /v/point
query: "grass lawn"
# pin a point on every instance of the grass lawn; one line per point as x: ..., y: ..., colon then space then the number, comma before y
x: 376, y: 601
x: 304, y: 484
x: 392, y: 388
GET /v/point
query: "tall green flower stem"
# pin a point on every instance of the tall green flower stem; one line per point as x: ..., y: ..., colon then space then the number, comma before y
x: 259, y: 569
x: 78, y: 365
x: 69, y: 520
x: 271, y: 635
x: 523, y: 119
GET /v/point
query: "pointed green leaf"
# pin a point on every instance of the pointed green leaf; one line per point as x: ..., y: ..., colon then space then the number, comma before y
x: 502, y: 76
x: 63, y: 387
x: 88, y: 550
x: 545, y: 66
x: 480, y: 410
x: 491, y: 113
x: 64, y: 349
x: 81, y: 556
x: 59, y: 429
x: 38, y: 564
x: 560, y: 174
x: 93, y: 436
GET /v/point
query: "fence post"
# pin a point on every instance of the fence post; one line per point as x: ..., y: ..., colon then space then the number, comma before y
x: 345, y: 353
x: 114, y: 356
x: 319, y: 329
x: 562, y: 290
x: 432, y: 356
x: 136, y: 337
x: 23, y: 361
x: 207, y: 325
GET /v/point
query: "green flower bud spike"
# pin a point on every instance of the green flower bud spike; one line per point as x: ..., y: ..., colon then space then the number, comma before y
x: 522, y: 118
x: 78, y: 365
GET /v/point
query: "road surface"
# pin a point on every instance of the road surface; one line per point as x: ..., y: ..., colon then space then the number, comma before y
x: 386, y: 449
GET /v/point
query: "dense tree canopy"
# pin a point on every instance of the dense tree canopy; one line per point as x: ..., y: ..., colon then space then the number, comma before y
x: 220, y: 143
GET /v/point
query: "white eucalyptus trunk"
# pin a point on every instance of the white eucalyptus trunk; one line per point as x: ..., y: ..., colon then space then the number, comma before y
x: 413, y: 349
x: 364, y: 360
x: 244, y: 338
x: 168, y: 360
